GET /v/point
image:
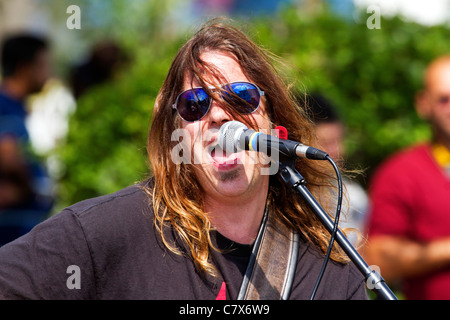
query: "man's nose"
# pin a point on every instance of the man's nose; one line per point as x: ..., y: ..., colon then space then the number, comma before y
x: 217, y: 115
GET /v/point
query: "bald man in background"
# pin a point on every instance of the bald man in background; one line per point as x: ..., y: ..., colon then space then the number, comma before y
x: 409, y: 224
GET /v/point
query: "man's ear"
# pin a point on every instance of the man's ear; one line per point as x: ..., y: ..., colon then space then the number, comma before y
x: 422, y: 104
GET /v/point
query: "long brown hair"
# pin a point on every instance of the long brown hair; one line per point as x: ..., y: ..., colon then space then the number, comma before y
x: 177, y: 196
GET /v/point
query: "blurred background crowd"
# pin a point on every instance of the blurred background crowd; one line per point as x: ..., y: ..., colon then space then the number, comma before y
x: 85, y: 118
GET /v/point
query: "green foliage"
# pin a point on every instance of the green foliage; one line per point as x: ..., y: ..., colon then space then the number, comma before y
x: 105, y: 149
x: 106, y: 141
x: 371, y: 75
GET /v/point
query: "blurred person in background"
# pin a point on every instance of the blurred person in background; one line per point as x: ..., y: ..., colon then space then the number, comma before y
x: 330, y: 131
x: 409, y: 224
x: 105, y: 58
x: 24, y: 184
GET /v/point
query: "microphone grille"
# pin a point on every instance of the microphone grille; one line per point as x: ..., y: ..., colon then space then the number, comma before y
x: 226, y: 138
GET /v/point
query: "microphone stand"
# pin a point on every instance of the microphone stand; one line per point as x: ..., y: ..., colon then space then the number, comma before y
x: 374, y: 281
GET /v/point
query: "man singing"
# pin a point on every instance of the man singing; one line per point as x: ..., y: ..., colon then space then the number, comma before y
x: 189, y: 231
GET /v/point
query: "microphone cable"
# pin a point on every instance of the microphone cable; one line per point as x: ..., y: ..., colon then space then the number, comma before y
x: 335, y: 226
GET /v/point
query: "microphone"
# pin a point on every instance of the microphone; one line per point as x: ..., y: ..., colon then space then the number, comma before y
x: 235, y: 136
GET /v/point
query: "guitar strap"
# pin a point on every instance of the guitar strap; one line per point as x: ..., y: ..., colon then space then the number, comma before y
x: 272, y: 265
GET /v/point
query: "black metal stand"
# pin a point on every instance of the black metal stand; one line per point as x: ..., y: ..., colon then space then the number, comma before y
x: 374, y: 281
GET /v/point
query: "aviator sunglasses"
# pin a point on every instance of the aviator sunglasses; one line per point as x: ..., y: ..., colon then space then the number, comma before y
x: 193, y: 104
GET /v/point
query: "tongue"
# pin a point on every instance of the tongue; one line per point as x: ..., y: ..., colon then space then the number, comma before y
x: 220, y: 156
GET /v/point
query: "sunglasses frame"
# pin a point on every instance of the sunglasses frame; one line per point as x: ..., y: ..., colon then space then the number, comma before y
x: 215, y: 89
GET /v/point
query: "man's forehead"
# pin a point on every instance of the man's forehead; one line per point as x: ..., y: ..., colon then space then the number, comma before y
x: 219, y: 68
x: 437, y: 77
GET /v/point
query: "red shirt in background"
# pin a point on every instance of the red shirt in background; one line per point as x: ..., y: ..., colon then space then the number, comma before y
x: 410, y: 197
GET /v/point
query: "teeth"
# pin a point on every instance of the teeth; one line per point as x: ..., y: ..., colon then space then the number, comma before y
x: 220, y: 155
x: 213, y: 147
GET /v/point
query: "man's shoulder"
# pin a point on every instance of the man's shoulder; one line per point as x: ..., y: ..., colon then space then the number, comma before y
x: 408, y: 156
x: 9, y: 106
x: 119, y: 198
x: 126, y: 211
x: 131, y: 197
x: 416, y: 157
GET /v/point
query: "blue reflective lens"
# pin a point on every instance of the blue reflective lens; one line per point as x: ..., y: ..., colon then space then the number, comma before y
x: 193, y: 104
